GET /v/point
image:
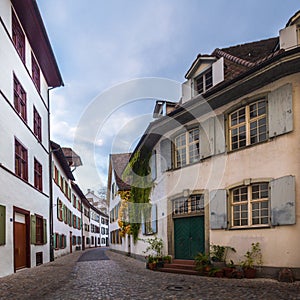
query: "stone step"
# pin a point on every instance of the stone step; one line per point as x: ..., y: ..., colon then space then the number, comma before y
x: 179, y: 266
x: 178, y: 271
x: 183, y: 261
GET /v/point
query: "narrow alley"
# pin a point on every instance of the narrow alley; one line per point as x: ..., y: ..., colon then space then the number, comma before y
x: 103, y: 274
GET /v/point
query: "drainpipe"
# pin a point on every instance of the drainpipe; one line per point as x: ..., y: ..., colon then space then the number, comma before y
x: 50, y: 182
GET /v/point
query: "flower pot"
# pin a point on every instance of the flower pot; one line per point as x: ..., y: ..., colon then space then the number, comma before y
x: 219, y: 274
x: 228, y: 272
x: 250, y: 272
x: 152, y: 266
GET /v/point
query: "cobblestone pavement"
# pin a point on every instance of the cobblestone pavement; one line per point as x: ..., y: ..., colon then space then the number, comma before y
x: 122, y: 277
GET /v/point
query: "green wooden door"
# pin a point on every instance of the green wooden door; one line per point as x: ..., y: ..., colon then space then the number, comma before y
x: 189, y: 237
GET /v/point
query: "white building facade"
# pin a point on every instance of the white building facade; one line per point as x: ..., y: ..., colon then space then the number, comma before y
x: 67, y: 219
x: 24, y: 165
x: 227, y: 158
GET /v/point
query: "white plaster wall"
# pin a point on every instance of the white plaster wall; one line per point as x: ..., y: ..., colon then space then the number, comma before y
x: 59, y: 226
x: 19, y: 194
x: 15, y: 192
x: 273, y: 159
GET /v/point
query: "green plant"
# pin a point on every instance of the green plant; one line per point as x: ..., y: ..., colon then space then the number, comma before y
x: 137, y: 172
x: 219, y: 253
x: 167, y: 259
x: 202, y: 261
x: 150, y: 259
x: 253, y: 257
x: 155, y: 246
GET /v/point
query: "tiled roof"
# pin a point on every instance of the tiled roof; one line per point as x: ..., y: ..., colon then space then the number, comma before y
x: 119, y: 163
x: 240, y: 58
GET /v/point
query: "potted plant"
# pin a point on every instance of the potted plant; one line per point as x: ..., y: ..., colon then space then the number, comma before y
x: 167, y: 259
x: 151, y: 262
x: 155, y: 246
x: 253, y: 258
x: 218, y: 254
x: 229, y: 269
x: 203, y: 264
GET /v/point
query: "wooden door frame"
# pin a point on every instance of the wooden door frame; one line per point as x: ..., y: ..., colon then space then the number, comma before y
x: 27, y: 225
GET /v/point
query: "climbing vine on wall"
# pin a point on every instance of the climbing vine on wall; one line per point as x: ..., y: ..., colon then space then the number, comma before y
x: 139, y: 172
x: 123, y: 218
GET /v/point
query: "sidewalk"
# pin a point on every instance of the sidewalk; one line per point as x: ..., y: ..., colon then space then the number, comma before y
x: 35, y: 282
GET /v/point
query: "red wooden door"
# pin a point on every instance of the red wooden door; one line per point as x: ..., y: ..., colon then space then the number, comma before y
x: 20, y: 246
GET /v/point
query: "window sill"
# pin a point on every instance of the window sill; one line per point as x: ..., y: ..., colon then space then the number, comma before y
x: 251, y: 227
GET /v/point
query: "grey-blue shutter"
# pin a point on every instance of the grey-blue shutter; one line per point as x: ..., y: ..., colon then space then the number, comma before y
x: 2, y: 224
x: 153, y: 165
x: 219, y: 134
x: 143, y: 224
x: 281, y: 110
x: 166, y: 155
x: 283, y: 196
x: 218, y: 209
x: 207, y: 136
x: 154, y: 218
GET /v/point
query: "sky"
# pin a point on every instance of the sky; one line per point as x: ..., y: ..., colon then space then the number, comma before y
x: 117, y: 57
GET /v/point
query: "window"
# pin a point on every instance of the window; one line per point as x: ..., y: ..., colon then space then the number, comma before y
x: 250, y: 205
x: 35, y: 72
x: 18, y: 37
x: 38, y: 229
x: 38, y: 175
x: 187, y: 148
x: 74, y: 240
x: 20, y: 99
x: 21, y: 161
x: 59, y: 210
x: 193, y: 204
x: 204, y: 81
x: 248, y: 125
x: 56, y: 175
x: 37, y: 124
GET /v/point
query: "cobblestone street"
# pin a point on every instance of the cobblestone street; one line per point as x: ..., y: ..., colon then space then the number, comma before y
x: 99, y: 275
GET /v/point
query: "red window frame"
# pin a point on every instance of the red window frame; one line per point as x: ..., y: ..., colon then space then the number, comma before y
x: 38, y: 175
x: 37, y: 124
x: 18, y: 37
x: 21, y: 160
x: 20, y: 99
x: 35, y: 73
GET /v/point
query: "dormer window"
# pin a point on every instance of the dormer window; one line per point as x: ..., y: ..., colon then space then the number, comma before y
x: 204, y: 81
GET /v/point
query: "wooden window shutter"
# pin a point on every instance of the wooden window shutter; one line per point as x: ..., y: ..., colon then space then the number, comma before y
x: 220, y: 144
x: 54, y: 241
x: 2, y: 224
x: 154, y: 218
x: 207, y: 136
x: 283, y: 196
x: 218, y: 209
x: 33, y: 229
x: 281, y: 110
x: 45, y: 231
x: 166, y: 155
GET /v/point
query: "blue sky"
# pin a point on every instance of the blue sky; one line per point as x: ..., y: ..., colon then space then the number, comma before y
x: 100, y: 45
